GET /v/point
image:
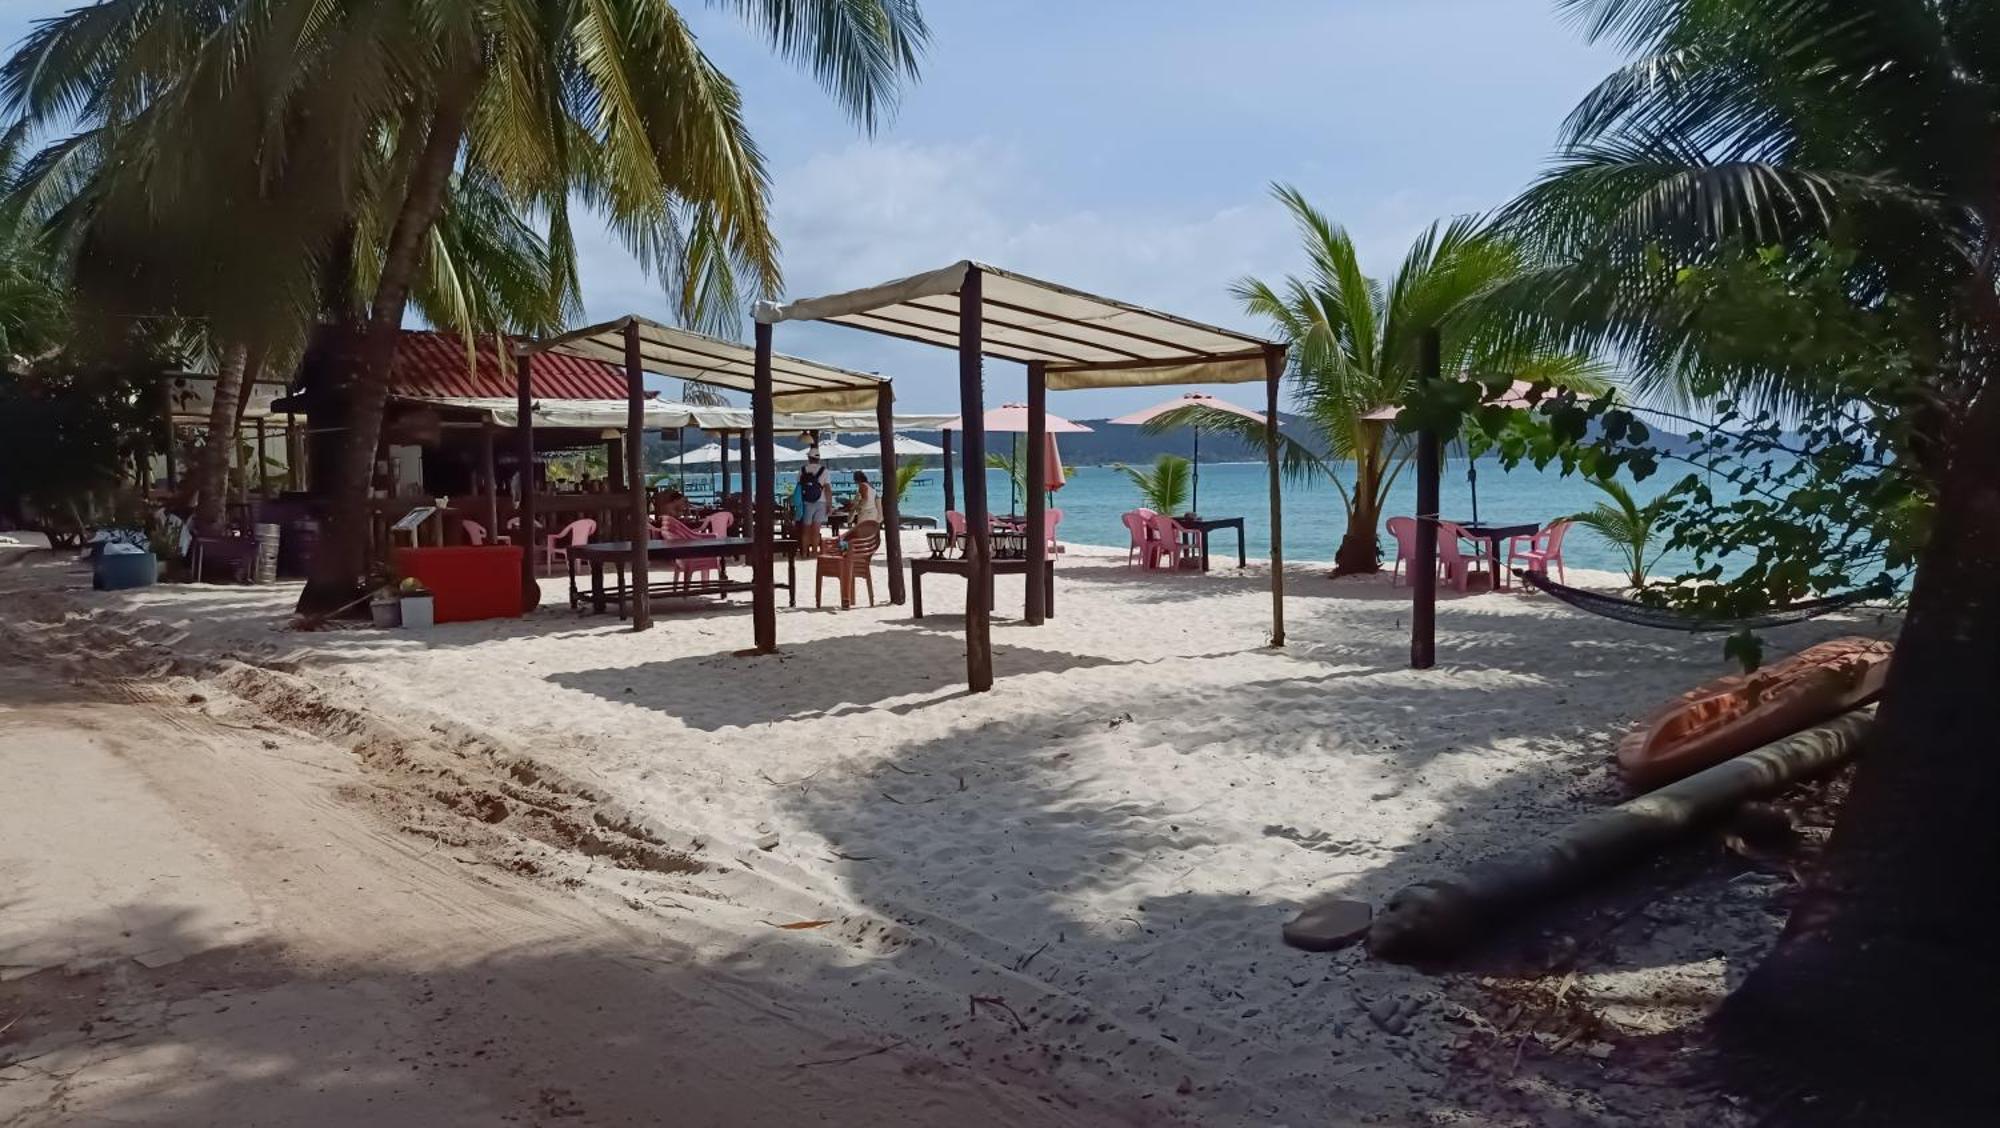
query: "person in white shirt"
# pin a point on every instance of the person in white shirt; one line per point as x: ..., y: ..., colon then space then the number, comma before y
x: 867, y: 504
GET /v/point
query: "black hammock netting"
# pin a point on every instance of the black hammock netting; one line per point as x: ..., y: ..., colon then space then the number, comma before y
x: 1668, y: 619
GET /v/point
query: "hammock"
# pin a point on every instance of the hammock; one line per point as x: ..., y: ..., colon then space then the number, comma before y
x: 1668, y: 619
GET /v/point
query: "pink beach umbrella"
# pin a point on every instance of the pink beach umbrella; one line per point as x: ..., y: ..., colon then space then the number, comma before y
x: 1189, y: 399
x: 1516, y: 396
x: 1012, y: 418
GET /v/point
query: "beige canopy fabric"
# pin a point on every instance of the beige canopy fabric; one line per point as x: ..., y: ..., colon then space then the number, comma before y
x: 1083, y: 341
x: 666, y: 415
x: 797, y: 385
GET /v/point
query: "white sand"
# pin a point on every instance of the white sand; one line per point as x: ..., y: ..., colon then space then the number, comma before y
x: 1108, y: 841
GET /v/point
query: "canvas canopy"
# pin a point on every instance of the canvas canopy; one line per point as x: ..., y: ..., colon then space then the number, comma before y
x: 1082, y: 340
x: 797, y: 384
x: 666, y: 415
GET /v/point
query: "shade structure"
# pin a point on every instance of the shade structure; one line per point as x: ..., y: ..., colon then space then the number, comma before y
x: 796, y: 384
x: 1013, y: 418
x: 833, y: 450
x: 1067, y: 339
x: 1083, y: 340
x: 906, y: 447
x: 1181, y: 402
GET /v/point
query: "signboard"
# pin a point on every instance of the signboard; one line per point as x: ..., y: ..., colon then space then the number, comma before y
x: 413, y: 520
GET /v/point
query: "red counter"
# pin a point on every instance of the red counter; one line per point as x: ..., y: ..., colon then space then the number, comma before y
x: 468, y: 581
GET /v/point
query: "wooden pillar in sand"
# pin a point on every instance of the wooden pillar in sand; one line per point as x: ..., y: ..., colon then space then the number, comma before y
x: 722, y: 442
x: 979, y: 547
x: 1035, y: 607
x: 491, y: 477
x: 263, y: 470
x: 950, y: 501
x: 293, y: 447
x: 892, y: 520
x: 524, y: 440
x: 763, y: 596
x: 1274, y: 370
x: 1423, y: 570
x: 635, y: 479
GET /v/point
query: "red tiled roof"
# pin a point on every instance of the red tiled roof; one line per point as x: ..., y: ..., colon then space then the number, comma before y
x: 435, y: 364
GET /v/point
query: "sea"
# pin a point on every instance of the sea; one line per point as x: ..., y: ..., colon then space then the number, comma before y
x: 1095, y: 496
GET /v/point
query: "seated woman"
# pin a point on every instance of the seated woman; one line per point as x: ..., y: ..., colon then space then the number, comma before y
x: 866, y: 504
x: 670, y: 503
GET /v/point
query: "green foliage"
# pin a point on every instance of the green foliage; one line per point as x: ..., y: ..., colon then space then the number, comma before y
x: 906, y: 476
x: 70, y: 432
x: 1355, y: 346
x: 1626, y: 525
x: 1164, y: 486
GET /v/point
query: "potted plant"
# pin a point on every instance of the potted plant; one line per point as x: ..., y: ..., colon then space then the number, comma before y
x: 416, y: 604
x: 385, y: 608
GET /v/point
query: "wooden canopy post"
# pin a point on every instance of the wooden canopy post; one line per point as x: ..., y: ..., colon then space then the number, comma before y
x: 263, y: 471
x: 635, y: 478
x: 722, y: 441
x: 950, y: 501
x: 892, y: 519
x: 492, y: 478
x: 1423, y: 570
x: 979, y: 554
x: 524, y: 439
x: 292, y: 449
x: 1274, y: 371
x: 764, y: 597
x: 614, y: 466
x: 1034, y: 608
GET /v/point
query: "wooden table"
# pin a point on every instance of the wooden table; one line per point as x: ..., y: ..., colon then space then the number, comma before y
x: 960, y: 566
x: 1493, y: 535
x: 619, y: 553
x: 1207, y: 525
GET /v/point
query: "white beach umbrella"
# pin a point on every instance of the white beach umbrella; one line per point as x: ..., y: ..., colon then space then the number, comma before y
x: 712, y: 453
x: 905, y: 446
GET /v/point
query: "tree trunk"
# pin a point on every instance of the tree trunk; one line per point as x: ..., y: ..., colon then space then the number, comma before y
x: 1874, y: 1007
x: 340, y: 567
x: 211, y: 469
x: 1360, y: 551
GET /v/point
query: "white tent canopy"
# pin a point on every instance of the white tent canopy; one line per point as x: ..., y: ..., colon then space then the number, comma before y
x: 1085, y: 341
x: 667, y: 415
x: 905, y: 446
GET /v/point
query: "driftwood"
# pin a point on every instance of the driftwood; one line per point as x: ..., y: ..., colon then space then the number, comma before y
x: 1437, y: 919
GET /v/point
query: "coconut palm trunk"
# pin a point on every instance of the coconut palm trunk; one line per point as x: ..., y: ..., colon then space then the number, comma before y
x: 211, y: 469
x: 341, y: 563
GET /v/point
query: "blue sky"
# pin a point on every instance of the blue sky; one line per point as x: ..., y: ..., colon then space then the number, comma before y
x: 1126, y: 147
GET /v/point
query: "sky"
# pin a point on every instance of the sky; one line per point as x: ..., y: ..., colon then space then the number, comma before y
x: 1127, y: 148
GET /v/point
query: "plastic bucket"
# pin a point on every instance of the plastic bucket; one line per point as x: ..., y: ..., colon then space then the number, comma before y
x: 387, y: 613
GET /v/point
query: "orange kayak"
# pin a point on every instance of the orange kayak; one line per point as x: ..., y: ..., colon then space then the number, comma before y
x: 1730, y: 716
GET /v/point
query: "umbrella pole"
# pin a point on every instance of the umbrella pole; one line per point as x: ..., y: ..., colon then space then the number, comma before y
x: 1194, y: 506
x: 1472, y: 479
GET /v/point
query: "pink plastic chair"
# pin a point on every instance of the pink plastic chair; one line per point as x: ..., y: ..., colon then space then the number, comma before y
x: 954, y: 524
x: 573, y: 535
x: 1404, y: 529
x: 475, y: 533
x: 1456, y: 563
x: 716, y: 525
x: 1050, y: 519
x: 1539, y: 550
x: 1171, y: 542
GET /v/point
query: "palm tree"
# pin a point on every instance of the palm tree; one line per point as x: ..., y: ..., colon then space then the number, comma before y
x: 906, y: 476
x: 1165, y: 485
x: 1355, y: 351
x: 1626, y: 525
x: 1872, y: 126
x: 610, y: 103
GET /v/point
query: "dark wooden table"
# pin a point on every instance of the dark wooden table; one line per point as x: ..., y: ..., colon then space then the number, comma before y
x: 1207, y: 525
x: 1493, y: 534
x: 619, y: 553
x: 960, y: 566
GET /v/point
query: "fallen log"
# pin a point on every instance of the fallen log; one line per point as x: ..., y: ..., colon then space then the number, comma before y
x: 1434, y: 920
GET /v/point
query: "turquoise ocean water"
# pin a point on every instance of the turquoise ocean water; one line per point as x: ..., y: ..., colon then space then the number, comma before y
x: 1096, y: 495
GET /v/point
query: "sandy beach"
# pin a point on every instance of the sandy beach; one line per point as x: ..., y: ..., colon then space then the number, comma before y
x: 1071, y: 886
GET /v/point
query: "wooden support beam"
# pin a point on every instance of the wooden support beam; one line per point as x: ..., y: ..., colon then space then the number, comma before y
x: 614, y: 466
x: 892, y: 521
x: 638, y: 527
x: 1034, y: 609
x: 722, y: 440
x: 764, y: 597
x: 524, y: 443
x: 492, y: 480
x: 1274, y: 371
x: 1423, y: 570
x: 950, y: 499
x: 979, y: 549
